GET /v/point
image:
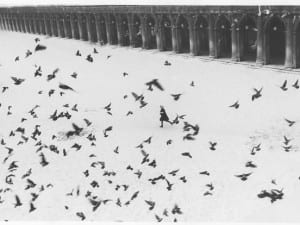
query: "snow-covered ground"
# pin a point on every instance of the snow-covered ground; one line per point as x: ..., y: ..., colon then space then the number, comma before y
x: 65, y: 187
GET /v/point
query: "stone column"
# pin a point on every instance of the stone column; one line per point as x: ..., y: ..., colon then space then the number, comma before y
x: 211, y: 36
x: 260, y: 40
x: 51, y: 19
x: 57, y: 25
x: 289, y: 43
x: 46, y: 26
x: 35, y: 23
x: 107, y: 24
x: 235, y: 52
x: 144, y: 32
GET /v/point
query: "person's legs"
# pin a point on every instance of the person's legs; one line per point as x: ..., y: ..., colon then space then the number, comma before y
x: 161, y: 123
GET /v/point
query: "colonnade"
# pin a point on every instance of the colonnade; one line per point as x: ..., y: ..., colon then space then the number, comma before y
x: 261, y: 37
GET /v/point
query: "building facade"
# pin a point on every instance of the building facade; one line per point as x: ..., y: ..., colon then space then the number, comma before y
x: 261, y: 34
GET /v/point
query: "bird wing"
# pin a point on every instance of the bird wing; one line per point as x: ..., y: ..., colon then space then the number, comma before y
x: 158, y: 85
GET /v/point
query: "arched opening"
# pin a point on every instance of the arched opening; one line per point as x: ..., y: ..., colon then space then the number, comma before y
x: 38, y: 26
x: 113, y: 30
x: 166, y: 34
x: 27, y: 22
x: 103, y: 33
x: 248, y: 35
x: 42, y: 25
x: 48, y: 24
x: 93, y: 28
x: 61, y: 26
x: 183, y: 36
x: 137, y: 31
x: 55, y: 29
x: 68, y: 27
x: 150, y: 33
x: 23, y: 25
x: 275, y: 41
x: 201, y: 31
x: 32, y: 26
x: 298, y: 45
x: 75, y: 27
x: 84, y: 28
x: 124, y: 31
x: 223, y: 37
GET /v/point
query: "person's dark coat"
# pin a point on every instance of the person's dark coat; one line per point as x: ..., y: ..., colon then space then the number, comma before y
x: 163, y: 115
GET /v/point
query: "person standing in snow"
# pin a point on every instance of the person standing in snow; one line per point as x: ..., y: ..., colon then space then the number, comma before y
x: 164, y: 116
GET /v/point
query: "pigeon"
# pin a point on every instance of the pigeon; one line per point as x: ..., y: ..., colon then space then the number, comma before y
x: 137, y: 97
x: 159, y: 219
x: 4, y: 89
x: 148, y: 140
x: 32, y: 207
x: 176, y: 96
x: 250, y: 164
x: 169, y: 142
x: 212, y: 145
x: 108, y: 107
x: 290, y: 122
x: 88, y: 123
x: 81, y: 215
x: 78, y: 53
x: 192, y: 84
x: 243, y: 176
x: 151, y: 204
x: 186, y: 154
x: 176, y: 210
x: 286, y: 140
x: 167, y: 63
x: 235, y: 105
x: 257, y: 94
x: 296, y: 85
x: 53, y: 75
x: 95, y: 51
x: 17, y: 58
x: 65, y: 87
x: 18, y: 201
x: 40, y: 47
x: 17, y: 81
x: 107, y: 57
x: 129, y: 113
x: 205, y: 173
x: 283, y: 86
x: 36, y: 39
x: 125, y: 74
x: 287, y: 148
x: 154, y: 83
x: 74, y: 75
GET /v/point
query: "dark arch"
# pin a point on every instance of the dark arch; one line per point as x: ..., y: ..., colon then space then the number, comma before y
x: 38, y: 27
x: 137, y: 32
x: 27, y: 22
x: 248, y: 36
x: 61, y: 26
x: 201, y: 33
x: 48, y: 25
x: 124, y: 31
x: 23, y: 25
x: 68, y: 30
x: 297, y: 44
x: 223, y: 37
x: 55, y: 29
x: 83, y: 22
x: 275, y: 41
x: 150, y: 33
x: 166, y: 35
x: 93, y: 29
x: 75, y: 27
x: 183, y: 36
x: 113, y: 30
x: 42, y: 25
x: 32, y: 26
x: 103, y: 33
